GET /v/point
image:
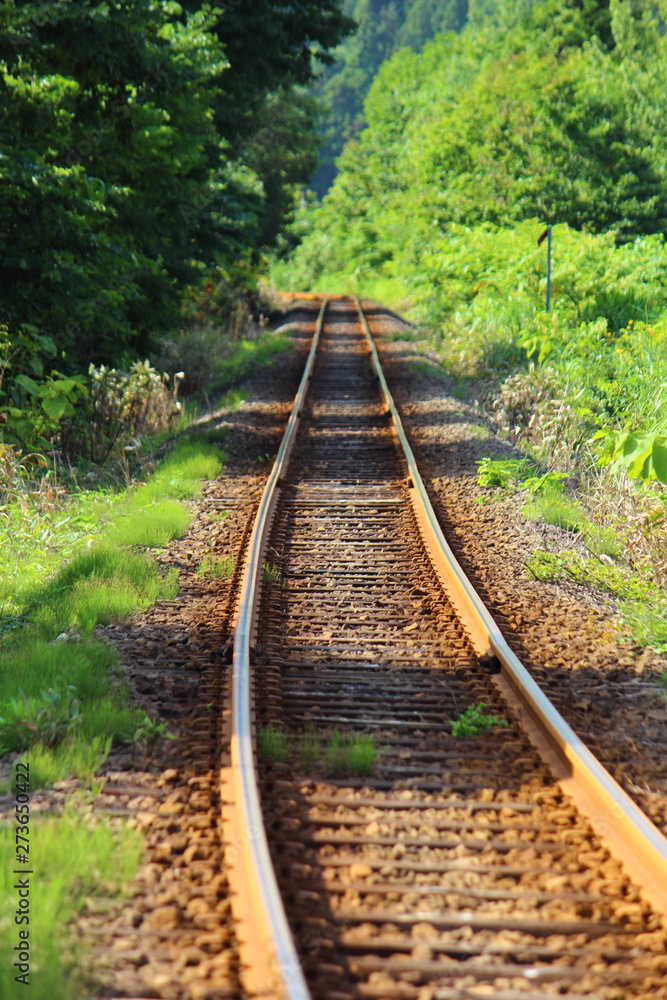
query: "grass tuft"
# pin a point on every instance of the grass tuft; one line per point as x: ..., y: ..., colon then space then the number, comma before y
x: 475, y: 721
x: 216, y: 568
x: 270, y: 572
x: 339, y: 753
x: 273, y: 744
x: 78, y: 758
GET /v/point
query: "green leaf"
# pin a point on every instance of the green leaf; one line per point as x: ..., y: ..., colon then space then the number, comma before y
x: 57, y: 407
x: 660, y: 461
x: 28, y: 384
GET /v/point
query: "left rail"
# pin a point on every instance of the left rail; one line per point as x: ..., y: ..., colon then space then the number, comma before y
x: 269, y: 960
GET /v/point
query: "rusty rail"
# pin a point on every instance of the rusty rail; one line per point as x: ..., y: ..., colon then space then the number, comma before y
x: 625, y: 829
x: 271, y: 966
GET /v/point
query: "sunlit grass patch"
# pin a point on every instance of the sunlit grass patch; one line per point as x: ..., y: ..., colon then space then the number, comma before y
x: 79, y: 757
x: 362, y: 755
x: 642, y: 605
x: 179, y: 475
x: 34, y: 543
x: 553, y: 506
x: 247, y: 356
x: 31, y: 666
x: 105, y: 585
x: 58, y: 688
x: 216, y: 567
x: 71, y: 861
x: 152, y: 527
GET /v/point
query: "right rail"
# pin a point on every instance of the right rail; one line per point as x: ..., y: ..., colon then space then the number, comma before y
x: 311, y: 666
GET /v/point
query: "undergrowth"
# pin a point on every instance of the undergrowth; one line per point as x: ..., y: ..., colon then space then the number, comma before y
x: 642, y: 606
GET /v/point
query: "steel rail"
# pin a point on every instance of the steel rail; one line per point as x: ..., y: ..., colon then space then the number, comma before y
x: 270, y: 963
x: 615, y: 818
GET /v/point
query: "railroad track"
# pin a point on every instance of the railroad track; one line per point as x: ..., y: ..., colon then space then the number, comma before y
x: 375, y: 851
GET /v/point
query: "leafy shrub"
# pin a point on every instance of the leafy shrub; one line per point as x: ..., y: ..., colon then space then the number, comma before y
x: 120, y: 407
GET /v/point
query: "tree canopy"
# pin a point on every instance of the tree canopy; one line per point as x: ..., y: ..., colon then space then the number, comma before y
x: 537, y: 110
x: 133, y: 156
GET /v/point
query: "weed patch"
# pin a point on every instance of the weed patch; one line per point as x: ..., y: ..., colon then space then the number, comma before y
x: 270, y: 572
x: 552, y: 506
x: 337, y: 753
x: 247, y: 356
x: 73, y: 861
x: 475, y: 721
x: 79, y: 758
x: 273, y: 744
x: 642, y: 605
x: 503, y: 473
x: 216, y: 568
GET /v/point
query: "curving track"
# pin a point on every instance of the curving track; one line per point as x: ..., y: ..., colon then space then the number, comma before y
x: 456, y: 868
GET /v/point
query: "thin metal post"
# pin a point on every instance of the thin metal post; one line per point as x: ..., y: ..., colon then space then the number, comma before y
x: 549, y: 268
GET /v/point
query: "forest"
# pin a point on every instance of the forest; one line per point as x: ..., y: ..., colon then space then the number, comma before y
x: 148, y: 151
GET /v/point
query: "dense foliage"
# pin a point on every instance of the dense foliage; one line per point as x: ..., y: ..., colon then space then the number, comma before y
x: 536, y: 113
x: 134, y: 159
x: 382, y: 29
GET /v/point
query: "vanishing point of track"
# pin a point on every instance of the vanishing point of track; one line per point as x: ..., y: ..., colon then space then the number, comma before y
x: 505, y: 865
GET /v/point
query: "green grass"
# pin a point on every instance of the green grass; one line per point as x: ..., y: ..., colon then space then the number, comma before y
x: 179, y: 475
x: 309, y: 749
x: 233, y: 400
x: 59, y: 688
x: 273, y: 744
x: 78, y: 758
x: 168, y: 519
x: 270, y: 572
x: 475, y: 721
x: 106, y: 585
x: 549, y: 501
x: 552, y: 506
x: 71, y: 860
x: 247, y: 356
x: 334, y: 754
x: 642, y: 605
x: 35, y: 541
x: 216, y: 568
x: 501, y: 473
x: 362, y: 755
